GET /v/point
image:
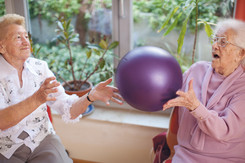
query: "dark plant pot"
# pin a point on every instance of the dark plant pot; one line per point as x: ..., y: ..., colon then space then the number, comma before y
x: 86, y: 87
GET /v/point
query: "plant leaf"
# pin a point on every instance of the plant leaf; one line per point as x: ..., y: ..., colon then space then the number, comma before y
x: 102, y: 63
x: 38, y: 50
x: 97, y: 52
x: 172, y: 25
x: 170, y: 15
x: 88, y: 53
x: 75, y: 39
x: 208, y: 29
x: 60, y: 26
x: 188, y: 3
x: 68, y: 24
x: 103, y: 44
x: 113, y: 45
x: 92, y: 46
x: 61, y: 39
x: 183, y: 30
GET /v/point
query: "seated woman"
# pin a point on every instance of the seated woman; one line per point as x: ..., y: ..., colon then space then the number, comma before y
x: 211, y: 104
x: 26, y: 87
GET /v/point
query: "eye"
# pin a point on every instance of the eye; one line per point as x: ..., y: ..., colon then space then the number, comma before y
x: 223, y: 41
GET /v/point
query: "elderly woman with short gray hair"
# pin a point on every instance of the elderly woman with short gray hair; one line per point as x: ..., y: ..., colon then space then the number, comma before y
x: 27, y: 86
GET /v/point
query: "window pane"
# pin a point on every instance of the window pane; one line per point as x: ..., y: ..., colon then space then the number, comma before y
x: 91, y: 20
x: 150, y: 15
x: 2, y: 8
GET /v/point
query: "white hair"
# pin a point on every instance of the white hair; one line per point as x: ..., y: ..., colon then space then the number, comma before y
x: 235, y: 25
x: 238, y: 27
x: 8, y: 20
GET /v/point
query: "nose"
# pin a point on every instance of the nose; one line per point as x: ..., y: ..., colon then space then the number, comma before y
x: 25, y: 40
x: 215, y: 45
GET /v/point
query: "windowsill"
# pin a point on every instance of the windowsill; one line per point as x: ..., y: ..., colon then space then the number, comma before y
x: 126, y: 114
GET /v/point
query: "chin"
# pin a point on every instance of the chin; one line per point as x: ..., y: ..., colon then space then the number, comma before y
x: 214, y: 64
x: 25, y: 56
x: 215, y: 67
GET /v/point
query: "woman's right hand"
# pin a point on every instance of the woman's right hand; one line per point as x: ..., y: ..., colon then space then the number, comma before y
x: 43, y: 93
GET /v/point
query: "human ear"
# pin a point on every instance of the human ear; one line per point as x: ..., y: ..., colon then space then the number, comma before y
x: 242, y: 54
x: 1, y: 48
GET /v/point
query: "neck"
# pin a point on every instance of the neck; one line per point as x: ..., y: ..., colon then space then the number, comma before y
x: 18, y: 65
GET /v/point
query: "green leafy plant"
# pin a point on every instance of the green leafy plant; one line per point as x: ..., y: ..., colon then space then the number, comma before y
x: 182, y: 15
x: 66, y: 36
x: 72, y: 62
x: 185, y: 9
x: 50, y: 10
x: 2, y: 8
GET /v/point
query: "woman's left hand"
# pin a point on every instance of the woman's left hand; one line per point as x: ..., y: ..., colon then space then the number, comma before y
x: 105, y: 93
x: 186, y: 99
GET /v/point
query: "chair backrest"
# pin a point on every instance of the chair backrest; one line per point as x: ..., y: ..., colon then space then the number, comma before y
x: 163, y: 143
x: 172, y: 131
x: 49, y: 114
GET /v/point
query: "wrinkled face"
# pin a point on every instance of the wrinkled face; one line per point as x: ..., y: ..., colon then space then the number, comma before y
x: 15, y: 46
x: 226, y: 58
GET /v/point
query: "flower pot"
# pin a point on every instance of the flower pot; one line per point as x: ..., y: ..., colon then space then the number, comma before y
x: 86, y: 87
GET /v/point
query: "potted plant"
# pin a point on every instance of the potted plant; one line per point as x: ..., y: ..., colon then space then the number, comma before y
x: 73, y: 64
x: 81, y: 66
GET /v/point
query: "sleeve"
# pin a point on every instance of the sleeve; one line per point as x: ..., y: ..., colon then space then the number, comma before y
x: 3, y: 98
x: 63, y: 102
x: 227, y: 125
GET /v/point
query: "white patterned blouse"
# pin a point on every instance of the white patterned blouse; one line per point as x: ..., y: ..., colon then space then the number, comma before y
x: 36, y: 124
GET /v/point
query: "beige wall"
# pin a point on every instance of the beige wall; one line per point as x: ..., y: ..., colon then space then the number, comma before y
x: 107, y: 142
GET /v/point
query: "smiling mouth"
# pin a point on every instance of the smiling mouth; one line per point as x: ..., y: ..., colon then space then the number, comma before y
x: 25, y: 48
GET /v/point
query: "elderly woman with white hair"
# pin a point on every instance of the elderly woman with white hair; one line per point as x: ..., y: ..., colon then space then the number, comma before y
x: 26, y: 87
x: 210, y: 106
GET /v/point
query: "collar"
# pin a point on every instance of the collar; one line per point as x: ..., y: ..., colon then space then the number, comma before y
x: 6, y: 69
x: 29, y: 67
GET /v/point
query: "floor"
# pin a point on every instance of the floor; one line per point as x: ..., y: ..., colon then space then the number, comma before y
x: 81, y: 161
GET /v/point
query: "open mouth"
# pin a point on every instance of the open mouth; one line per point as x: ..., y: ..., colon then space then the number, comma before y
x: 216, y: 56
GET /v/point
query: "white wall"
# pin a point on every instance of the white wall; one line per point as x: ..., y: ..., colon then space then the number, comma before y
x: 107, y: 142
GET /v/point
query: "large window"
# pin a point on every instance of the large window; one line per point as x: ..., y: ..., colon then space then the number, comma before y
x: 150, y: 15
x: 91, y: 20
x: 132, y: 23
x: 2, y: 7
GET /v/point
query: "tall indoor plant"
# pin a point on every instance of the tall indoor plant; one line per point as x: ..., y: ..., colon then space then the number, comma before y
x: 81, y: 72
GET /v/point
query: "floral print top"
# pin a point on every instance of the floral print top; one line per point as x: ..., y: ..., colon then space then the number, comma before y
x: 36, y: 124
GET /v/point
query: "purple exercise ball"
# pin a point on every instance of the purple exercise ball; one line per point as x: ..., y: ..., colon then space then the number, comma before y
x: 147, y: 77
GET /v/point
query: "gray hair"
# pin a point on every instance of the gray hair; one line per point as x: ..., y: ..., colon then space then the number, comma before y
x: 235, y: 25
x: 239, y: 29
x: 9, y: 19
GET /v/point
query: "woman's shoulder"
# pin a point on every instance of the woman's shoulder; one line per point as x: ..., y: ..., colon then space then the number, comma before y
x: 34, y: 62
x: 201, y: 65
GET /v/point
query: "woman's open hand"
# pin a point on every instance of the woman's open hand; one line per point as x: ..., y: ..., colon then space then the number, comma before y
x: 105, y: 93
x: 186, y: 99
x: 43, y: 93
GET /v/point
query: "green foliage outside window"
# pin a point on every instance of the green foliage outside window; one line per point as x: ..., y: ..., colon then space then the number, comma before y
x: 157, y: 11
x: 50, y: 10
x: 2, y: 8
